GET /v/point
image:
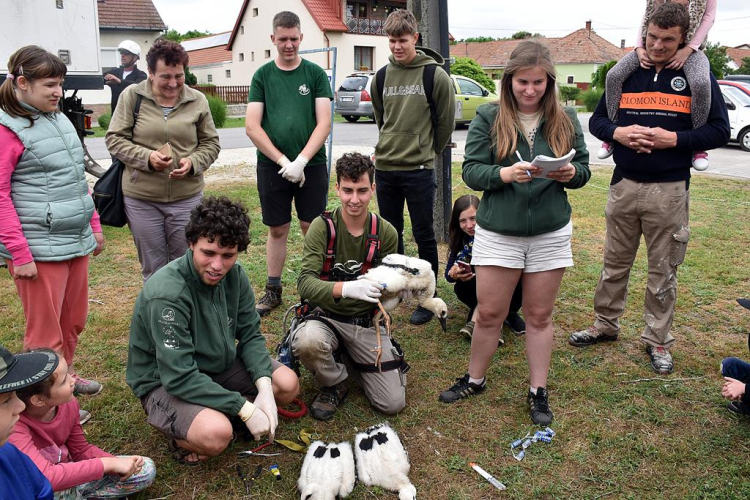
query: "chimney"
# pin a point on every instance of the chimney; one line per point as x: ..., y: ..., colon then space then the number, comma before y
x: 622, y: 43
x: 588, y: 28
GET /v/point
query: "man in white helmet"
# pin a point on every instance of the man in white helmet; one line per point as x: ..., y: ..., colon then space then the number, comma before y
x: 127, y: 73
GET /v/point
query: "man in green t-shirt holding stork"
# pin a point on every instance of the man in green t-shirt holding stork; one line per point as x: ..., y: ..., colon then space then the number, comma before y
x: 288, y: 116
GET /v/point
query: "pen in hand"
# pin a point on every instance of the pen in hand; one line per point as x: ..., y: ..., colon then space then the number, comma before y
x: 521, y: 160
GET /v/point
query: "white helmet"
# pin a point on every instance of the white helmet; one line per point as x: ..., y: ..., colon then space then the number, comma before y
x: 130, y: 46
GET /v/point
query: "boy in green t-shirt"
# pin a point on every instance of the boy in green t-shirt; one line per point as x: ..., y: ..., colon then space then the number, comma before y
x: 288, y: 116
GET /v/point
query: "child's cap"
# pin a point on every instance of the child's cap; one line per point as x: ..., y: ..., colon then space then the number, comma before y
x: 22, y: 370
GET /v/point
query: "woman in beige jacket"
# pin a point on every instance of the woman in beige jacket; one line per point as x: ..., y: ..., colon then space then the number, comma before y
x: 162, y: 183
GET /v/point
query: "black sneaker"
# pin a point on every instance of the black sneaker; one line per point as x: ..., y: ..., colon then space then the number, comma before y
x: 327, y: 401
x: 516, y: 323
x: 738, y: 407
x: 420, y: 316
x: 541, y: 414
x: 462, y: 389
x: 270, y: 300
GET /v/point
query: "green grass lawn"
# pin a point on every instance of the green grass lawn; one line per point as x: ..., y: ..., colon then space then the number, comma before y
x: 618, y: 436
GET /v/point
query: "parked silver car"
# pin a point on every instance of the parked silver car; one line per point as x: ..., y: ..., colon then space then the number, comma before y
x: 353, y: 97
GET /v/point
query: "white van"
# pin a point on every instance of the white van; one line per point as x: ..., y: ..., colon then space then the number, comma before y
x: 738, y: 108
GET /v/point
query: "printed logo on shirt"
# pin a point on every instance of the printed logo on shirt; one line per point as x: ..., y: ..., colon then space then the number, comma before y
x: 170, y: 339
x: 404, y: 90
x: 678, y: 83
x: 656, y: 101
x: 303, y: 90
x: 167, y: 314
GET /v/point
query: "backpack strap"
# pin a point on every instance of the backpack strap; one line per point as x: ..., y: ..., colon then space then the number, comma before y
x: 372, y: 246
x: 428, y: 83
x: 325, y: 273
x: 380, y: 81
x: 137, y: 108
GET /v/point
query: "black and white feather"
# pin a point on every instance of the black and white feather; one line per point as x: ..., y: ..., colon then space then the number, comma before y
x: 327, y: 472
x: 398, y: 273
x: 383, y: 461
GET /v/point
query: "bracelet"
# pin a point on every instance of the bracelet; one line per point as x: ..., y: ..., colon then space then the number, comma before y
x: 246, y: 411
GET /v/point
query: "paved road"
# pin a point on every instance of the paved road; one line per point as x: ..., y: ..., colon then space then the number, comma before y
x: 729, y: 160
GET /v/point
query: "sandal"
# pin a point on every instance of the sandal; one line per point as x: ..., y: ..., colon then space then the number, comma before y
x: 180, y: 454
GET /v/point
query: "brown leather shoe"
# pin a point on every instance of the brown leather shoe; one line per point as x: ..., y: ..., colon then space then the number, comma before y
x: 270, y: 300
x: 327, y: 401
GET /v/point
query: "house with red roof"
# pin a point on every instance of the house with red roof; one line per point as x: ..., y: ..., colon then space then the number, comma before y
x: 354, y: 27
x: 737, y: 54
x: 119, y: 20
x: 210, y: 61
x: 576, y: 55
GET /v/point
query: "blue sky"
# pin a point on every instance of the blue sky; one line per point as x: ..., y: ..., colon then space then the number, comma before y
x: 611, y: 19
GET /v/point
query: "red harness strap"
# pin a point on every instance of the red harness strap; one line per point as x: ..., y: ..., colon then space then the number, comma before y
x: 331, y: 248
x: 372, y: 245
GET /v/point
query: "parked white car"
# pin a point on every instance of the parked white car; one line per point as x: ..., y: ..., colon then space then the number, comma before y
x: 738, y: 108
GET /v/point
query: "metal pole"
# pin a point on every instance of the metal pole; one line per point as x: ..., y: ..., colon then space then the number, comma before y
x: 432, y: 17
x: 333, y: 90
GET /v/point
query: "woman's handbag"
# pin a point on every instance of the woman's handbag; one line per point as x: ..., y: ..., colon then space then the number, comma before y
x: 108, y: 197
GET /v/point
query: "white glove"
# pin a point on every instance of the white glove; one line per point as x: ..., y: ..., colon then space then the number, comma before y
x: 295, y: 171
x: 255, y: 420
x: 266, y: 402
x: 366, y: 290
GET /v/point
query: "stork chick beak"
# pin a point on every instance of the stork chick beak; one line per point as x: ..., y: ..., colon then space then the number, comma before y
x: 443, y: 323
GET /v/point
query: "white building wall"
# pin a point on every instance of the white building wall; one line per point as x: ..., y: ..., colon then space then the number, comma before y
x: 218, y: 74
x: 256, y: 46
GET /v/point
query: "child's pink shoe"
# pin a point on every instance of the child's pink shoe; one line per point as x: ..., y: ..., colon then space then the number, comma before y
x: 605, y: 151
x: 700, y: 160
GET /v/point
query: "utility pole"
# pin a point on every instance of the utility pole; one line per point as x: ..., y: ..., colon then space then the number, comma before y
x: 432, y: 16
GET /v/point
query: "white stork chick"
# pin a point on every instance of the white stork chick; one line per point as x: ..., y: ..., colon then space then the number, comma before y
x: 328, y: 471
x: 398, y: 273
x: 383, y: 461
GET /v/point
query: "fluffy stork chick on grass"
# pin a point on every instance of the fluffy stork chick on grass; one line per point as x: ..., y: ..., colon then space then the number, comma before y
x: 328, y: 471
x: 402, y: 276
x: 383, y: 461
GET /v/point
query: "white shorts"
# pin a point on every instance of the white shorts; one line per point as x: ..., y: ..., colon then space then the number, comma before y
x: 533, y: 254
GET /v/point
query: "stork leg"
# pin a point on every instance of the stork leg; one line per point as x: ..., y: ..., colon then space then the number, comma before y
x: 381, y: 314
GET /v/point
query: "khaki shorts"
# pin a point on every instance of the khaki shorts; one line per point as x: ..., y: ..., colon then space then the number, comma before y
x: 533, y: 254
x: 173, y: 416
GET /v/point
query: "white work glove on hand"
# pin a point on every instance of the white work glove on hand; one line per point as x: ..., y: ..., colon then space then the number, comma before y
x: 266, y: 402
x: 361, y: 289
x: 294, y: 171
x: 257, y: 423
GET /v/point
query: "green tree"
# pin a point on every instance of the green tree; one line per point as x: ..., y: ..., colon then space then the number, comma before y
x: 745, y: 68
x: 194, y: 34
x: 569, y: 94
x: 173, y: 35
x: 520, y: 35
x: 718, y: 59
x: 190, y: 78
x: 599, y: 77
x: 468, y: 67
x: 479, y: 39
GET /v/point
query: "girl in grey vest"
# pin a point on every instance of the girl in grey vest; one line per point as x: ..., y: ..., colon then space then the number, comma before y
x: 48, y: 225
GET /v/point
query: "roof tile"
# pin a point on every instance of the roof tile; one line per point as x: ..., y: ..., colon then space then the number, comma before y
x: 211, y: 55
x: 129, y: 14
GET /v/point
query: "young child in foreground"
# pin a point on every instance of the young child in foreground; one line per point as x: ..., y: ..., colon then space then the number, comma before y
x: 736, y: 375
x: 48, y: 432
x: 19, y: 477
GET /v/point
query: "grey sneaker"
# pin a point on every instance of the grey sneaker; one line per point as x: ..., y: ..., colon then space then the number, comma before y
x: 270, y: 300
x: 462, y: 389
x: 83, y: 416
x: 738, y: 407
x: 589, y: 336
x: 468, y: 329
x: 85, y: 387
x: 541, y: 414
x: 327, y: 401
x: 661, y: 360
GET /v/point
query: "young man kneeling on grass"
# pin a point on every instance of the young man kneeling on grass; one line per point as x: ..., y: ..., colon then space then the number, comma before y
x: 193, y: 380
x: 339, y: 337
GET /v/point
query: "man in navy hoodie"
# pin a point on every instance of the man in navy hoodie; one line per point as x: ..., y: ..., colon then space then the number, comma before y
x: 653, y: 137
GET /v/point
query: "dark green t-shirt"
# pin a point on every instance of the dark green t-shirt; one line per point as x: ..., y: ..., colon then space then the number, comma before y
x: 289, y: 106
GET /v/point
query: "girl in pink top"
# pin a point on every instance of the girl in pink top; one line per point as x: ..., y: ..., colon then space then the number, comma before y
x: 48, y: 432
x: 689, y: 58
x: 47, y: 216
